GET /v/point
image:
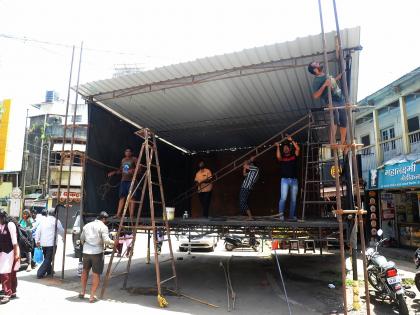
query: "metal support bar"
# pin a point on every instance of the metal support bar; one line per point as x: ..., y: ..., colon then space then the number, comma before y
x: 354, y: 170
x: 337, y: 180
x: 61, y: 160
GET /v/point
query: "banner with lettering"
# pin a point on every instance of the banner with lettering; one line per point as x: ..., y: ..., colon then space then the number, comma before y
x: 406, y: 174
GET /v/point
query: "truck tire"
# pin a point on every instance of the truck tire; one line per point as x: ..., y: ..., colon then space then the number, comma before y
x: 402, y: 305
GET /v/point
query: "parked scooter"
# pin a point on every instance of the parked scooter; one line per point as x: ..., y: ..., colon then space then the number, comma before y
x: 233, y: 241
x: 383, y: 276
x: 417, y: 262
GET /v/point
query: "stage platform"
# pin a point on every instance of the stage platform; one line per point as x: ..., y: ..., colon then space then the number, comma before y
x: 264, y: 226
x: 242, y: 222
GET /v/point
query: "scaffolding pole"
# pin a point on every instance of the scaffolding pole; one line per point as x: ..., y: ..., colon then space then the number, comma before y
x: 61, y: 160
x: 66, y: 223
x: 334, y: 147
x: 354, y: 170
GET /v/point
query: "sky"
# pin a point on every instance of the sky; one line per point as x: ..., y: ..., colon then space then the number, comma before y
x: 158, y: 32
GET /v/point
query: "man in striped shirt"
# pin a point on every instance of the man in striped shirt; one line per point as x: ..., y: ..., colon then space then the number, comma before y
x: 250, y: 171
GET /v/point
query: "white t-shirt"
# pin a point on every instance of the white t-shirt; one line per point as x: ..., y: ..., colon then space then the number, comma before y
x: 95, y: 234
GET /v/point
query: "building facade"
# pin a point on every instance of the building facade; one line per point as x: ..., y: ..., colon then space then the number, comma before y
x: 390, y: 132
x: 44, y: 151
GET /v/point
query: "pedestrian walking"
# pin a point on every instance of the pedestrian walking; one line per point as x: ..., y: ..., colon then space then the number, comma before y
x: 45, y: 236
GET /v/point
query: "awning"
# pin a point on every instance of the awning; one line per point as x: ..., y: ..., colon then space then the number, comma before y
x: 231, y: 100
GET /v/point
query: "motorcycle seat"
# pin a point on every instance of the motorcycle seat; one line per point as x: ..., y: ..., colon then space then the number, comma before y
x: 388, y: 265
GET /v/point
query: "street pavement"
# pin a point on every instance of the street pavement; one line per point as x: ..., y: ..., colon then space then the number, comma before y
x: 254, y: 277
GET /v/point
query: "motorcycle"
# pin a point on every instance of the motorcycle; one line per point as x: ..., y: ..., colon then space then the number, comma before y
x: 383, y: 276
x: 232, y: 242
x: 417, y: 262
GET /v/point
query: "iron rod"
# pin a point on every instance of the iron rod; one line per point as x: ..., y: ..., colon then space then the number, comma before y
x: 336, y: 165
x: 353, y: 155
x: 60, y: 176
x: 70, y: 164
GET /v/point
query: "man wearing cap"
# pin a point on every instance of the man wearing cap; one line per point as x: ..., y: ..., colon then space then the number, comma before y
x: 45, y: 237
x: 320, y: 86
x: 287, y: 157
x: 93, y: 238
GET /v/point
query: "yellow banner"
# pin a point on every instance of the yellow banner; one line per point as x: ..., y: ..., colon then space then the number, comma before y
x: 4, y: 126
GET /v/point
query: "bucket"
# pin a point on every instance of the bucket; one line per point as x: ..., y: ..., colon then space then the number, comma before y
x: 170, y: 213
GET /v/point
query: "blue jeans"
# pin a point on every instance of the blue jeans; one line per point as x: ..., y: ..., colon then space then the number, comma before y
x: 285, y: 184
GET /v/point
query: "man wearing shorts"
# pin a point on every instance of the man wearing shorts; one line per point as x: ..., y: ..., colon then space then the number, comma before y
x: 320, y: 90
x: 128, y: 165
x: 93, y: 238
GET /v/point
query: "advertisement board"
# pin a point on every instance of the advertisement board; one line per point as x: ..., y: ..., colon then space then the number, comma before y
x: 406, y: 174
x: 4, y: 127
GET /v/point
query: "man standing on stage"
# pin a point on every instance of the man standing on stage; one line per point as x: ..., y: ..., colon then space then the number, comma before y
x: 128, y: 165
x: 202, y: 180
x: 320, y: 90
x: 250, y: 171
x: 288, y: 174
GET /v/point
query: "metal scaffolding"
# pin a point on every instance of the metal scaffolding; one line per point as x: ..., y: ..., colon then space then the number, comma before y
x: 353, y: 169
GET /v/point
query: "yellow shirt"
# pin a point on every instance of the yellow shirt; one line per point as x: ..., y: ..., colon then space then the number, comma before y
x: 200, y: 177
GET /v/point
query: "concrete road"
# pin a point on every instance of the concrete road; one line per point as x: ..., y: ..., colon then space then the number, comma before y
x: 254, y: 277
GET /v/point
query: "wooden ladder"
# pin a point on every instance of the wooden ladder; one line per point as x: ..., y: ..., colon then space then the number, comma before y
x: 148, y: 161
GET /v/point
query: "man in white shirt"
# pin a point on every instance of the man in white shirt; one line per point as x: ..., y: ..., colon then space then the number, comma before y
x: 44, y: 237
x: 93, y: 238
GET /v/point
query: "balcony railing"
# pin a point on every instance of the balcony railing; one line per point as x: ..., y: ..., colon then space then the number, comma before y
x: 391, y: 148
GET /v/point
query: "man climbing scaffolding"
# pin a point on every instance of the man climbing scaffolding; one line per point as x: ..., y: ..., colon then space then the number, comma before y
x: 320, y: 90
x: 128, y: 165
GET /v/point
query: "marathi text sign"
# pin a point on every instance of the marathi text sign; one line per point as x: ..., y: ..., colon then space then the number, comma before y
x: 404, y: 174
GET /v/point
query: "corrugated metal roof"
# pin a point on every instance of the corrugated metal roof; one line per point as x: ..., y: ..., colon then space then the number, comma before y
x: 231, y: 100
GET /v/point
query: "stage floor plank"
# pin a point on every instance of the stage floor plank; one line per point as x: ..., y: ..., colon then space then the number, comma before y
x: 260, y: 222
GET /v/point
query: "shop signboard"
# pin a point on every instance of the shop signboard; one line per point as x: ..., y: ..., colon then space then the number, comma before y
x: 74, y: 195
x: 32, y: 203
x: 406, y: 174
